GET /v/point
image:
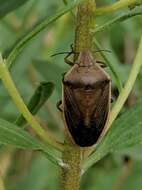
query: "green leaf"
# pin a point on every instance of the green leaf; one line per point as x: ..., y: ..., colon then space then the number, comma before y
x: 42, y: 93
x: 7, y: 6
x: 126, y: 132
x: 10, y: 134
x: 19, y: 46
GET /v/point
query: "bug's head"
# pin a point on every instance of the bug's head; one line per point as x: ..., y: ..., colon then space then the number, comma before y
x: 85, y: 58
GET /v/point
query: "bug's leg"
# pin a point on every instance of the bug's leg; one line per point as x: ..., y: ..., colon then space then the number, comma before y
x: 60, y: 106
x: 69, y: 62
x: 69, y: 54
x: 101, y: 63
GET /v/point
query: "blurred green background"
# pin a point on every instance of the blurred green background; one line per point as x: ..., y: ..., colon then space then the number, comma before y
x: 30, y: 170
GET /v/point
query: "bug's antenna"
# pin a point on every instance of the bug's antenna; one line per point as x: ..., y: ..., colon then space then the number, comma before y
x: 66, y: 52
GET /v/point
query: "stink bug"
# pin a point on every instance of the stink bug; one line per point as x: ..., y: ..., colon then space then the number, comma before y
x: 86, y: 99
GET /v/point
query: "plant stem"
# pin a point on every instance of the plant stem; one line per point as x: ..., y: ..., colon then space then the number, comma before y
x: 85, y: 23
x: 116, y: 6
x: 71, y: 172
x: 11, y: 88
x: 72, y: 155
x: 128, y: 86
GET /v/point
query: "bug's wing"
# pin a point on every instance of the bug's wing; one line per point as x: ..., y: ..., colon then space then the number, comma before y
x: 101, y: 109
x: 86, y: 135
x: 72, y: 112
x: 71, y: 108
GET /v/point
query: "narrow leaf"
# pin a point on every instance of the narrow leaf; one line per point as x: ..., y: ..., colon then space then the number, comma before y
x: 7, y: 6
x: 42, y: 93
x: 10, y: 134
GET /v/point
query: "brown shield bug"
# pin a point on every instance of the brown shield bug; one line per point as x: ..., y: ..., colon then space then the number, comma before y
x: 86, y: 99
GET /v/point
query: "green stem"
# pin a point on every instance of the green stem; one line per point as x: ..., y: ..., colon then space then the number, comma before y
x: 116, y: 6
x: 72, y: 155
x: 128, y: 86
x: 13, y: 92
x: 71, y: 172
x: 85, y: 23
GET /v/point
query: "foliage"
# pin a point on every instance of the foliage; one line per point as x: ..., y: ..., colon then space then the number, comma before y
x: 30, y: 32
